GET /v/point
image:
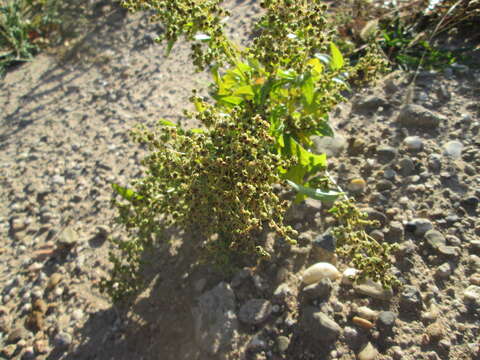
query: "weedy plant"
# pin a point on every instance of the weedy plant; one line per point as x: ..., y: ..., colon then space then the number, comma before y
x: 267, y: 101
x: 24, y: 26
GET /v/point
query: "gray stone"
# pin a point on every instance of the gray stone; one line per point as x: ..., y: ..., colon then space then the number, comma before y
x: 395, y: 232
x: 215, y: 320
x: 63, y: 340
x: 384, y: 185
x: 319, y: 291
x: 435, y: 239
x: 421, y: 226
x: 407, y: 166
x: 370, y: 103
x: 376, y: 215
x: 386, y: 319
x: 326, y: 241
x: 453, y: 149
x: 319, y: 326
x: 411, y: 299
x: 389, y: 173
x: 470, y: 203
x: 451, y: 251
x: 413, y: 143
x: 413, y: 115
x: 332, y: 146
x: 435, y: 162
x: 385, y: 154
x: 255, y: 311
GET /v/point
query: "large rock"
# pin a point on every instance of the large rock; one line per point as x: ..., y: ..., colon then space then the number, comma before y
x: 215, y: 320
x: 417, y: 116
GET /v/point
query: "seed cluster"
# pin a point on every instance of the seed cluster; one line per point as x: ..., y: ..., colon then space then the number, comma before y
x: 365, y: 253
x: 291, y: 31
x: 199, y: 21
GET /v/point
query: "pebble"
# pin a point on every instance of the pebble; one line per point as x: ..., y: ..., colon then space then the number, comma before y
x: 319, y: 271
x: 435, y: 239
x: 319, y: 291
x: 77, y: 314
x: 435, y: 331
x: 395, y: 233
x: 411, y: 298
x: 373, y: 289
x: 376, y: 215
x: 357, y: 186
x: 472, y: 294
x: 319, y: 326
x: 475, y: 279
x: 386, y: 319
x: 420, y: 226
x: 369, y: 352
x: 282, y: 343
x: 453, y: 149
x: 413, y: 143
x: 413, y: 115
x: 364, y: 323
x: 367, y: 313
x: 255, y: 311
x: 348, y: 276
x: 407, y: 166
x: 331, y: 146
x: 9, y: 350
x: 54, y: 279
x: 16, y: 335
x: 41, y: 346
x: 63, y: 339
x: 326, y: 241
x: 444, y: 271
x: 386, y: 154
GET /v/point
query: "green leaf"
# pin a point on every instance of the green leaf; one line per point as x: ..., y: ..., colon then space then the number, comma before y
x: 127, y: 194
x: 166, y: 123
x: 230, y: 100
x: 311, y: 161
x: 170, y: 44
x: 244, y: 90
x: 337, y: 58
x: 308, y: 89
x: 317, y: 194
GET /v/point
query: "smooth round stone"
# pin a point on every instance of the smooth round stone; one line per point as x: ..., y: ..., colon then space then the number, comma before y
x: 319, y: 271
x: 413, y: 143
x: 453, y: 149
x: 435, y: 239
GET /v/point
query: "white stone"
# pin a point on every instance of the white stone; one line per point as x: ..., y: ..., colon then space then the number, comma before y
x: 453, y: 149
x: 319, y: 271
x: 348, y: 276
x: 413, y: 143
